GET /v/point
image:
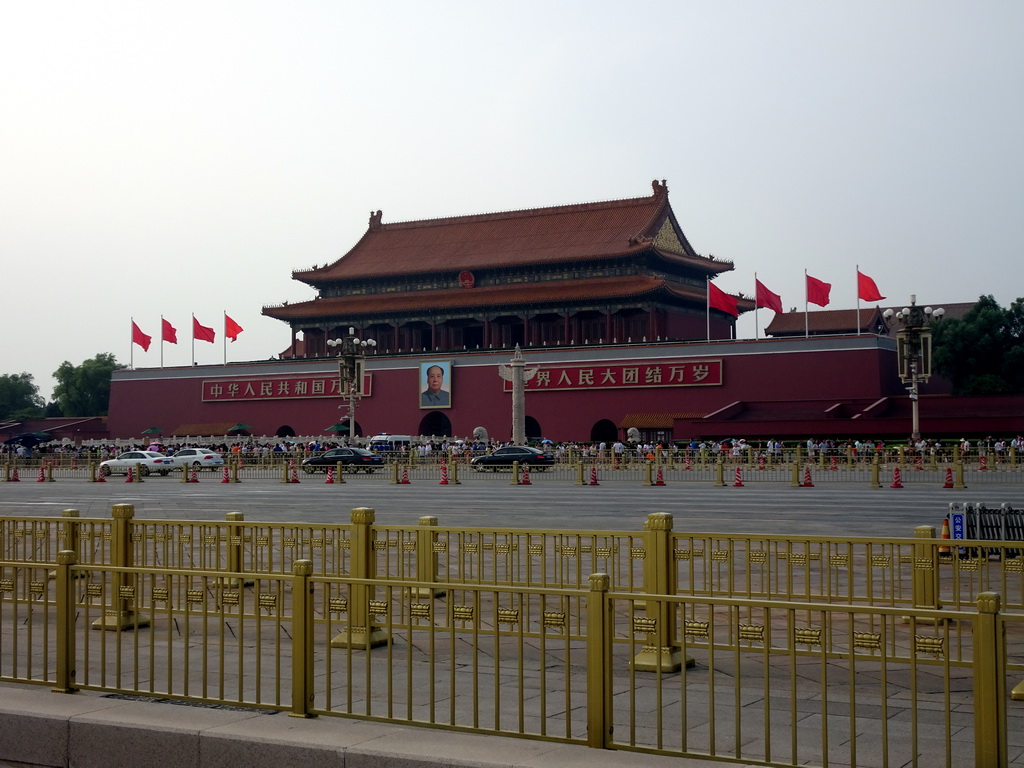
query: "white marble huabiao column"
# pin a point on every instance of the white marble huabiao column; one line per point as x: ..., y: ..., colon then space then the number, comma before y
x: 518, y: 374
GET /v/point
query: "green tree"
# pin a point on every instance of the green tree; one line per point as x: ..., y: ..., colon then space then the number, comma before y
x: 982, y: 353
x: 84, y: 390
x: 19, y: 397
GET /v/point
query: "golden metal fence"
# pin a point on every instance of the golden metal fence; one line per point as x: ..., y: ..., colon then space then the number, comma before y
x: 776, y: 682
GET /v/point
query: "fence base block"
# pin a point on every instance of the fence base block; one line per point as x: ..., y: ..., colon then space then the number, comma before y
x: 118, y: 621
x: 663, y: 659
x: 1017, y: 694
x: 359, y: 638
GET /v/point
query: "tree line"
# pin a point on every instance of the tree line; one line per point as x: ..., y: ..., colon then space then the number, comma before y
x: 981, y: 353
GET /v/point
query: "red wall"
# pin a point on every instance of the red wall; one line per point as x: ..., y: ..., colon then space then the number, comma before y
x: 783, y: 369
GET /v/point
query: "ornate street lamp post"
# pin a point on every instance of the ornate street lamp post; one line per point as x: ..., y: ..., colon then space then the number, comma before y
x: 351, y: 365
x: 914, y: 352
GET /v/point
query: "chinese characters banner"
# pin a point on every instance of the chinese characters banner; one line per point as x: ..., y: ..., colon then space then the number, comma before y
x: 224, y: 390
x: 670, y: 373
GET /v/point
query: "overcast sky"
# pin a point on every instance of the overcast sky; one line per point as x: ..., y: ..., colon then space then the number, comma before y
x: 178, y: 158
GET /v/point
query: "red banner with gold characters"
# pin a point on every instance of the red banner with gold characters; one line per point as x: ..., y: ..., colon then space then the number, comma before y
x: 276, y: 388
x: 659, y: 373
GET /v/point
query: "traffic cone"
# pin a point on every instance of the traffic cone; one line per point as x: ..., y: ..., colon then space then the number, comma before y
x: 405, y: 475
x: 593, y: 476
x: 807, y: 478
x: 526, y: 475
x: 920, y: 463
x: 984, y: 462
x: 226, y: 478
x: 944, y: 549
x: 42, y: 475
x: 949, y: 478
x: 688, y: 465
x: 834, y: 465
x: 739, y: 479
x: 295, y: 472
x: 100, y: 477
x: 896, y: 478
x: 444, y: 472
x: 760, y: 461
x: 659, y: 478
x: 330, y: 476
x: 195, y: 475
x: 131, y: 476
x: 74, y: 462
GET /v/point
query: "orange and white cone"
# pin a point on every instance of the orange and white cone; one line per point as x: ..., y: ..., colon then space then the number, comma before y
x: 42, y: 475
x: 659, y: 479
x: 761, y: 461
x: 74, y: 462
x: 405, y: 476
x: 949, y: 478
x: 896, y: 478
x: 195, y: 475
x: 593, y: 476
x: 14, y: 476
x: 689, y: 464
x: 295, y: 472
x: 984, y: 462
x: 226, y: 478
x: 834, y: 465
x: 807, y: 478
x: 739, y: 479
x: 920, y: 463
x: 526, y: 475
x: 100, y: 477
x: 330, y: 476
x: 131, y: 476
x: 444, y: 472
x: 944, y: 549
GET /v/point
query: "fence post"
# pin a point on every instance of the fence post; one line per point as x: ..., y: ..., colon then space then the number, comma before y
x: 926, y: 569
x: 662, y: 652
x: 426, y: 558
x: 719, y: 473
x: 875, y: 482
x: 65, y: 662
x: 454, y: 473
x: 284, y: 471
x: 958, y: 473
x: 599, y: 663
x: 394, y: 472
x: 121, y: 614
x: 579, y: 473
x: 302, y: 639
x: 989, y: 684
x: 234, y: 469
x: 515, y: 473
x: 648, y: 473
x: 361, y: 632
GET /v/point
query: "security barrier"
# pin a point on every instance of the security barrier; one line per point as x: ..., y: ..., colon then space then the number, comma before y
x: 772, y: 682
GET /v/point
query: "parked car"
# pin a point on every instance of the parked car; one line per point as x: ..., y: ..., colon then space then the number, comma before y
x: 502, y: 458
x: 198, y: 458
x: 355, y: 458
x: 145, y: 461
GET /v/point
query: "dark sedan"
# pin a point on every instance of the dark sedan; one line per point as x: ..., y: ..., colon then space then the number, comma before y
x: 503, y: 458
x: 352, y: 458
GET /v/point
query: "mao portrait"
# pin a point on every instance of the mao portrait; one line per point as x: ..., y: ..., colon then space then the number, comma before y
x: 435, y: 384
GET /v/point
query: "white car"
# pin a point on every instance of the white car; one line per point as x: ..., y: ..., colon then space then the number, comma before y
x: 198, y: 458
x: 145, y: 462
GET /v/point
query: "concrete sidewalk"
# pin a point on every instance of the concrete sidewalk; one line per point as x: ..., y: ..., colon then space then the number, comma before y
x: 42, y: 729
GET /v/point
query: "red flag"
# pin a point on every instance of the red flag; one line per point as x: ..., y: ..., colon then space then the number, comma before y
x: 719, y: 299
x: 138, y: 337
x: 817, y: 291
x: 170, y: 333
x: 866, y: 288
x: 766, y: 298
x: 231, y: 328
x: 201, y: 332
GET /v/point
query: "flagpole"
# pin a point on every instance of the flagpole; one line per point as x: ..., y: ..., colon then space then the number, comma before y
x: 193, y: 339
x: 161, y: 341
x: 224, y: 339
x: 131, y: 348
x: 707, y: 303
x: 756, y: 324
x: 858, y: 299
x: 807, y: 331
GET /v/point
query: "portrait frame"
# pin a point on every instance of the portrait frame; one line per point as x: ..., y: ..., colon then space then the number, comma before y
x: 426, y: 400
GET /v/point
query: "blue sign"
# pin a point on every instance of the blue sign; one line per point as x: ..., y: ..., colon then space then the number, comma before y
x: 958, y: 525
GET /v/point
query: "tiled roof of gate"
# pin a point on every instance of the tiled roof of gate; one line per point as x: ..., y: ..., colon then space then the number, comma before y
x: 555, y: 291
x: 512, y: 238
